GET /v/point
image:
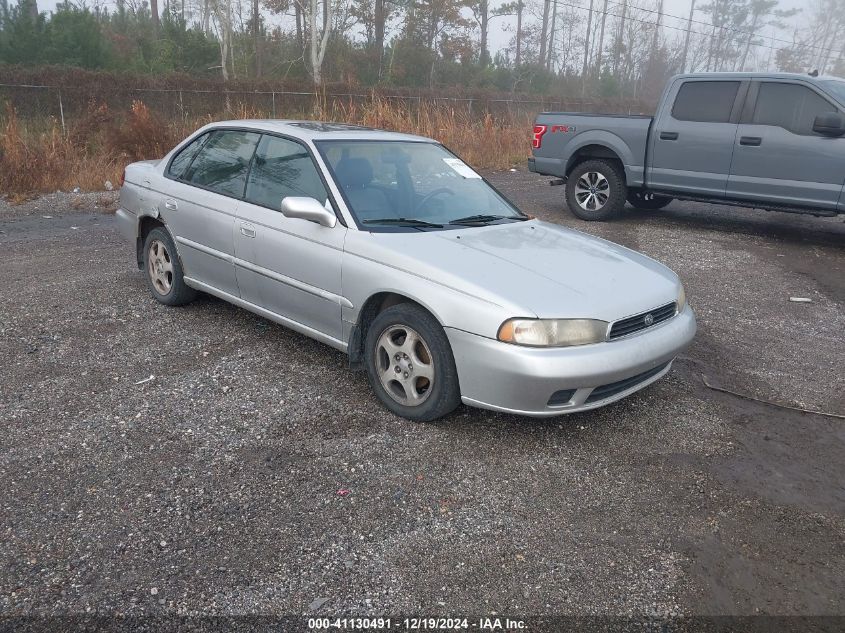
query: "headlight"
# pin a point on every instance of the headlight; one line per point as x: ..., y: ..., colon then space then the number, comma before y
x: 553, y: 332
x: 682, y: 299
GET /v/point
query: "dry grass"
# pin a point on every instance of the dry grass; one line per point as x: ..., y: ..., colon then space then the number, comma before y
x: 479, y: 139
x: 95, y: 149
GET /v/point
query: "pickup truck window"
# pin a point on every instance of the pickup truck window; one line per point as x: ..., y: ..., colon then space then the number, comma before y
x: 790, y: 106
x: 836, y: 87
x: 705, y: 101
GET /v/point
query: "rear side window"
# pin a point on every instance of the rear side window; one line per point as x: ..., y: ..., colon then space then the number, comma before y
x: 790, y: 106
x: 283, y: 168
x: 705, y: 101
x: 223, y: 162
x: 181, y: 161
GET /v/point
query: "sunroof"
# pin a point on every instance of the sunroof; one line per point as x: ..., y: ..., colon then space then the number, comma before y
x: 316, y: 126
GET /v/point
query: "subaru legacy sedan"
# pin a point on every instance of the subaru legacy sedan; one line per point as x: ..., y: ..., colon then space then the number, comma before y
x: 390, y: 248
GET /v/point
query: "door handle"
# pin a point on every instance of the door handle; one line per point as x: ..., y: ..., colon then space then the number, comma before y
x: 247, y: 230
x: 668, y: 136
x: 171, y: 205
x: 753, y: 141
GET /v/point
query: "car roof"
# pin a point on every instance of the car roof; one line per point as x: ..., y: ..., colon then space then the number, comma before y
x: 757, y: 75
x: 319, y: 130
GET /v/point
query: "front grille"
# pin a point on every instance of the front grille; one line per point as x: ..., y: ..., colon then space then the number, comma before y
x: 624, y: 327
x: 606, y: 391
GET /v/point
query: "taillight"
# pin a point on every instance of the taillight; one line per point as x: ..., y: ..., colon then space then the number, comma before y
x: 537, y: 139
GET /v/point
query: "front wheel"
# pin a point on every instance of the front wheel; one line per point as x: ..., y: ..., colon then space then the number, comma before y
x: 410, y: 364
x: 595, y: 190
x: 648, y: 201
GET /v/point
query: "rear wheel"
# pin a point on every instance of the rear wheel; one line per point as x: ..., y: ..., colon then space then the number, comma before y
x: 595, y: 190
x: 410, y: 364
x: 649, y: 201
x: 164, y: 270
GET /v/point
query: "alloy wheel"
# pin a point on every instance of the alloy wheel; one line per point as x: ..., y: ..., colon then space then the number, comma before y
x: 404, y: 365
x: 160, y: 267
x: 592, y: 191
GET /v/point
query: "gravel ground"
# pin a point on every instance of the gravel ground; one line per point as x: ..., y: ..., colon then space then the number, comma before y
x: 214, y: 486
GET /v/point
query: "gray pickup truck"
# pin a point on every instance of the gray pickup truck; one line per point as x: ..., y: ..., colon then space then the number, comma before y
x: 771, y: 141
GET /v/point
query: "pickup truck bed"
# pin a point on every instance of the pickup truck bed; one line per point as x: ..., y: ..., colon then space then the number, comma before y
x: 568, y: 133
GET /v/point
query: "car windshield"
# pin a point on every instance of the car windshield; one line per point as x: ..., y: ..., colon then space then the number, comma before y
x: 408, y: 185
x: 837, y: 87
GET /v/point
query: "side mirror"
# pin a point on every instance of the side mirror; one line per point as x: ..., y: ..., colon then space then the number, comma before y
x: 308, y: 209
x: 829, y: 124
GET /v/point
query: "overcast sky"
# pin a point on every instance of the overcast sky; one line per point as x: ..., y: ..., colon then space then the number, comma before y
x: 499, y: 37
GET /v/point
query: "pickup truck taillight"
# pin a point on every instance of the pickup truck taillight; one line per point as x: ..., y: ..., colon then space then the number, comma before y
x: 537, y: 139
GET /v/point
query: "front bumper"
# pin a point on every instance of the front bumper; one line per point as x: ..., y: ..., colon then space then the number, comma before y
x: 503, y: 377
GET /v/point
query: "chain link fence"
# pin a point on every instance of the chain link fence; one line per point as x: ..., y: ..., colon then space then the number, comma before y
x: 67, y: 103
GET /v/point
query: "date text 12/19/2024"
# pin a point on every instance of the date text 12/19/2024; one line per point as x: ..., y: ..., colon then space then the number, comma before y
x: 417, y: 624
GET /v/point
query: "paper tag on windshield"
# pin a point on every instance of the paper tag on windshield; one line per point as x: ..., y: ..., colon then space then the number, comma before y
x: 461, y: 167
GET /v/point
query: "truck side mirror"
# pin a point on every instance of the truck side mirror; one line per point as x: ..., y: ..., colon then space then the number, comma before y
x: 829, y: 124
x: 307, y: 209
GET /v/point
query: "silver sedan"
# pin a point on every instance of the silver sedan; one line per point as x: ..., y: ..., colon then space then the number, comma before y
x: 390, y: 248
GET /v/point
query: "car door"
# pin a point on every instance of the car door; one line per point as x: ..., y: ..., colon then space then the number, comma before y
x: 289, y: 266
x: 777, y: 157
x: 207, y: 178
x: 692, y: 139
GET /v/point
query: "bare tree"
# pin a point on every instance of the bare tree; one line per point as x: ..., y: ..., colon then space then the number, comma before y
x: 587, y: 49
x: 544, y: 32
x: 619, y: 35
x: 601, y: 39
x: 319, y: 26
x: 222, y: 10
x: 256, y: 34
x: 687, y: 36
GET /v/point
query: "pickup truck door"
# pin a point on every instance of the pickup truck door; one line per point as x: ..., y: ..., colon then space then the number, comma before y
x: 289, y: 266
x: 778, y: 158
x: 692, y: 138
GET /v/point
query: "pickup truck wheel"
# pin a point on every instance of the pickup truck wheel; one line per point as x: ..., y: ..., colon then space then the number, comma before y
x: 410, y: 364
x: 164, y: 270
x: 648, y: 201
x: 595, y: 190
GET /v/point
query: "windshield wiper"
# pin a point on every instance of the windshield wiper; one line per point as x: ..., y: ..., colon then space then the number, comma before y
x: 482, y: 218
x: 403, y: 222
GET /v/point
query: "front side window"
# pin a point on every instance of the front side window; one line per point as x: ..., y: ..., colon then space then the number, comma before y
x: 836, y: 87
x: 283, y: 168
x: 790, y: 106
x: 223, y: 162
x: 401, y: 182
x: 705, y: 101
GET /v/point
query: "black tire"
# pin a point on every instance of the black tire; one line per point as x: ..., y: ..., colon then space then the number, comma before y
x: 440, y: 395
x: 168, y: 287
x: 608, y: 172
x: 648, y: 201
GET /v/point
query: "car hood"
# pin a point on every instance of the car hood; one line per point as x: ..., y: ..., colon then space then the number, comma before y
x: 535, y: 268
